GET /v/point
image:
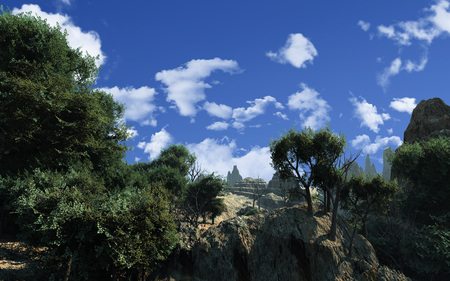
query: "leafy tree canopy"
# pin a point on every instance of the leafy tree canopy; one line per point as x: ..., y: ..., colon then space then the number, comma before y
x: 426, y: 167
x: 50, y: 116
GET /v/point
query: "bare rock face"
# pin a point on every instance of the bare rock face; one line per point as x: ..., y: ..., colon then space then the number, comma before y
x: 430, y: 119
x: 283, y: 244
x: 277, y: 182
x: 370, y: 170
x: 386, y: 165
x: 234, y: 176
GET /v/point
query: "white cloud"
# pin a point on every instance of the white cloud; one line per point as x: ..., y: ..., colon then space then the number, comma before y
x: 297, y: 51
x: 394, y: 69
x: 158, y: 141
x: 238, y: 126
x: 218, y: 110
x: 88, y: 41
x: 313, y: 109
x: 185, y: 85
x: 396, y: 66
x: 67, y: 2
x: 441, y: 16
x: 258, y: 107
x: 138, y: 102
x: 403, y: 104
x: 390, y: 131
x: 218, y: 126
x: 364, y: 25
x: 220, y: 156
x: 281, y: 115
x: 363, y: 142
x: 423, y: 30
x: 368, y: 114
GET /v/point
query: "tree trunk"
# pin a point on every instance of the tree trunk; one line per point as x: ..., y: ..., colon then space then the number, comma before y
x: 308, y: 200
x: 332, y: 235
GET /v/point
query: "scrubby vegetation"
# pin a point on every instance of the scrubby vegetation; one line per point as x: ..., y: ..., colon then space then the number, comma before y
x: 65, y: 189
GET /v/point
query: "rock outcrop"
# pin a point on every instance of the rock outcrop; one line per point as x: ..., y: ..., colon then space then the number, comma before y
x: 234, y: 176
x: 355, y: 170
x: 283, y: 244
x: 277, y: 182
x: 386, y: 165
x: 369, y: 169
x: 430, y: 119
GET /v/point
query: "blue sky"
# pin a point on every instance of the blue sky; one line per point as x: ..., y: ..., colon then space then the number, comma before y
x: 224, y: 77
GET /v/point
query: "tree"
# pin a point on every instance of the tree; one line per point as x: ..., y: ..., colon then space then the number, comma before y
x: 50, y: 116
x: 201, y: 198
x: 300, y: 156
x: 426, y: 168
x: 362, y: 196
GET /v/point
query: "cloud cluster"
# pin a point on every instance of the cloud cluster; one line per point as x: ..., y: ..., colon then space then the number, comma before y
x: 88, y: 41
x: 185, y: 85
x: 396, y: 66
x: 257, y: 107
x: 139, y: 103
x: 423, y: 30
x: 368, y: 114
x: 313, y: 109
x: 363, y: 142
x: 158, y: 141
x: 404, y: 104
x: 298, y: 51
x: 220, y: 156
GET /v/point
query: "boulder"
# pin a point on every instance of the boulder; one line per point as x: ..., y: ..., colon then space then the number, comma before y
x: 430, y: 119
x: 283, y: 244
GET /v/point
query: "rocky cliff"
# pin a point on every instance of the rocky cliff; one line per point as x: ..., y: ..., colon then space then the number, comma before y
x: 284, y: 244
x: 430, y: 119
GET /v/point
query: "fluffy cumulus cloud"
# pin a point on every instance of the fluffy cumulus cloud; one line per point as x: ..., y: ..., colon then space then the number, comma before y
x: 218, y: 126
x: 218, y: 110
x: 220, y: 155
x: 364, y: 25
x: 158, y: 141
x: 185, y: 85
x: 398, y: 65
x: 404, y: 104
x: 313, y: 109
x: 368, y: 114
x: 139, y: 103
x: 298, y: 51
x: 364, y: 143
x: 88, y: 41
x: 256, y: 108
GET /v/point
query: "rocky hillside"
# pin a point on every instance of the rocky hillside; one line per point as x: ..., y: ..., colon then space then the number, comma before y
x: 283, y: 244
x: 430, y: 119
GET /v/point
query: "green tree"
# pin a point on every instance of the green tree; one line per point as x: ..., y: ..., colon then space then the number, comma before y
x: 201, y: 198
x: 50, y: 116
x: 425, y: 166
x: 363, y: 196
x: 303, y: 155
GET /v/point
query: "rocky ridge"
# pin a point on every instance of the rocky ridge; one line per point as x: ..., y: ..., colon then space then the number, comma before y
x: 283, y: 244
